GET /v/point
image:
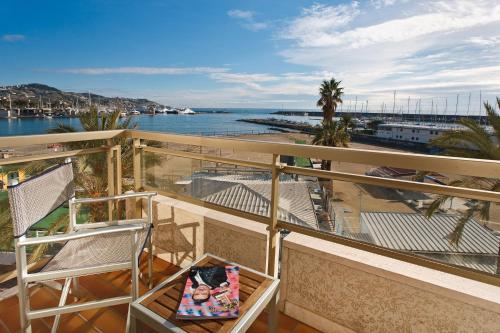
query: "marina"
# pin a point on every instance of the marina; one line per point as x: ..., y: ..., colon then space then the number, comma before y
x: 205, y: 121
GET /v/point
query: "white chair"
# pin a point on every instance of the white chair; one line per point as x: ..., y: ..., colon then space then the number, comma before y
x: 91, y: 248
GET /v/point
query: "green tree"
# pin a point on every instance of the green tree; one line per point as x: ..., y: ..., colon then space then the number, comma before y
x: 347, y: 122
x: 330, y: 93
x: 331, y: 134
x: 473, y: 141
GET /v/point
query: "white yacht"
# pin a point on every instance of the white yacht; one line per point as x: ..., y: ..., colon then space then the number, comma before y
x: 135, y: 112
x: 186, y: 111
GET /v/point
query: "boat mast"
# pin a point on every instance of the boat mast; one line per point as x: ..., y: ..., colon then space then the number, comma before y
x: 394, y: 104
x: 468, y: 105
x: 480, y: 107
x: 445, y: 109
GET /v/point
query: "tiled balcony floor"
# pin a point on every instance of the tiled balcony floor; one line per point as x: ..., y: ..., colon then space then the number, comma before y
x: 111, y: 319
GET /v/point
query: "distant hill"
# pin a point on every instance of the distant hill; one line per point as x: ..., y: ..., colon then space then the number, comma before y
x: 33, y: 94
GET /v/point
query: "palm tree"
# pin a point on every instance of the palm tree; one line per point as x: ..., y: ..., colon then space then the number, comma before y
x: 331, y: 134
x: 330, y: 93
x: 347, y: 122
x: 474, y: 141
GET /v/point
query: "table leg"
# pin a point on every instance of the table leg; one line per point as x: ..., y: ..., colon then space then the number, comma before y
x: 272, y: 324
x: 131, y: 326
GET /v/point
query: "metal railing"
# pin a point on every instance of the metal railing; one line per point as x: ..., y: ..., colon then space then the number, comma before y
x: 431, y: 163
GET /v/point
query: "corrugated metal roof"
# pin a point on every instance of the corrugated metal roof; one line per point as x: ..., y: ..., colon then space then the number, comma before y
x: 414, y: 232
x: 485, y: 263
x: 252, y: 194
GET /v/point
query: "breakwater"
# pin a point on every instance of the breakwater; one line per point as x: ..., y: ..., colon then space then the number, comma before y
x: 281, y: 123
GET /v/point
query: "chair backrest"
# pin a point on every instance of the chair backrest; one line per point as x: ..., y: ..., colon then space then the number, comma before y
x: 35, y: 198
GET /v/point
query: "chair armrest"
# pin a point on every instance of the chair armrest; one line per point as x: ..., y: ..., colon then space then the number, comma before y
x: 81, y: 234
x: 115, y: 197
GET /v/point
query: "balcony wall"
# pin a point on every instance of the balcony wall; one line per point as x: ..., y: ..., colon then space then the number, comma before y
x: 335, y: 288
x: 184, y: 231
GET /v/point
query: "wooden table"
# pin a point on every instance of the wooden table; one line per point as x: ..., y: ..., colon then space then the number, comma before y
x: 157, y: 308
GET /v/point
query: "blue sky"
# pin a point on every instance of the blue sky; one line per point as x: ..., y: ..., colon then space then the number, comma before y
x: 257, y: 53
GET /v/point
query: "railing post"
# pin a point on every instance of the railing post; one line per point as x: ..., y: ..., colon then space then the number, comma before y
x: 118, y: 206
x: 273, y: 236
x: 118, y: 162
x: 137, y: 176
x: 111, y: 176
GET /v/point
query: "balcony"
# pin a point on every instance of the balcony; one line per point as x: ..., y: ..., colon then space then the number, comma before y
x: 352, y: 246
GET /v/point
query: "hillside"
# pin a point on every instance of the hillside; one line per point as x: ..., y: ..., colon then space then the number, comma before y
x: 35, y: 93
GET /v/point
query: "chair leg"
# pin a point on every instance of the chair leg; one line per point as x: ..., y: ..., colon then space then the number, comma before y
x: 134, y: 288
x: 76, y: 289
x: 23, y: 288
x: 62, y: 301
x: 24, y: 306
x: 150, y: 263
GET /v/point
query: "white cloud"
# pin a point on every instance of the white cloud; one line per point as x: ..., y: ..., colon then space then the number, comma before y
x: 316, y: 24
x: 422, y: 48
x: 485, y: 41
x: 382, y: 3
x: 319, y: 25
x: 13, y: 38
x: 247, y: 19
x: 243, y: 77
x: 143, y: 70
x: 241, y: 14
x: 255, y: 26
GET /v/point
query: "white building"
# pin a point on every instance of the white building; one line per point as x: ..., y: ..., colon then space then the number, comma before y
x: 418, y: 133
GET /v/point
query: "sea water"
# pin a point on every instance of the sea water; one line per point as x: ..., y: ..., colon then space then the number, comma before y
x: 202, y: 123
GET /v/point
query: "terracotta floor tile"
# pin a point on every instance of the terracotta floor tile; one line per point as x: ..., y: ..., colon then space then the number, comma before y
x: 111, y: 319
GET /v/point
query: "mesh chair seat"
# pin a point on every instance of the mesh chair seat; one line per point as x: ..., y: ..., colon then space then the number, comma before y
x: 96, y: 250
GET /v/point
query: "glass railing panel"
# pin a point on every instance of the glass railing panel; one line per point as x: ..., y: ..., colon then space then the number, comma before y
x: 241, y: 188
x: 459, y: 231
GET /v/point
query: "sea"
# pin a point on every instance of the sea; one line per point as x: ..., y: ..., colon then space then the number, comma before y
x: 205, y: 122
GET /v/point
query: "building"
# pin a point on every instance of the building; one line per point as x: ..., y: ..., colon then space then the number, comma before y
x: 412, y: 232
x: 415, y: 132
x: 252, y: 194
x: 8, y: 177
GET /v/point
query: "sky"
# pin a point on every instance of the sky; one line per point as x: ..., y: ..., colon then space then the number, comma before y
x: 259, y: 53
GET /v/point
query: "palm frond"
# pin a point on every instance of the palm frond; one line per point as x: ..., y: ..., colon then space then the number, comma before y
x: 457, y: 233
x: 493, y: 118
x: 40, y: 250
x: 435, y: 205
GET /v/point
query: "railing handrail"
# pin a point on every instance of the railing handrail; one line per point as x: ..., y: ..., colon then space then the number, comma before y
x: 434, y: 163
x: 39, y: 139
